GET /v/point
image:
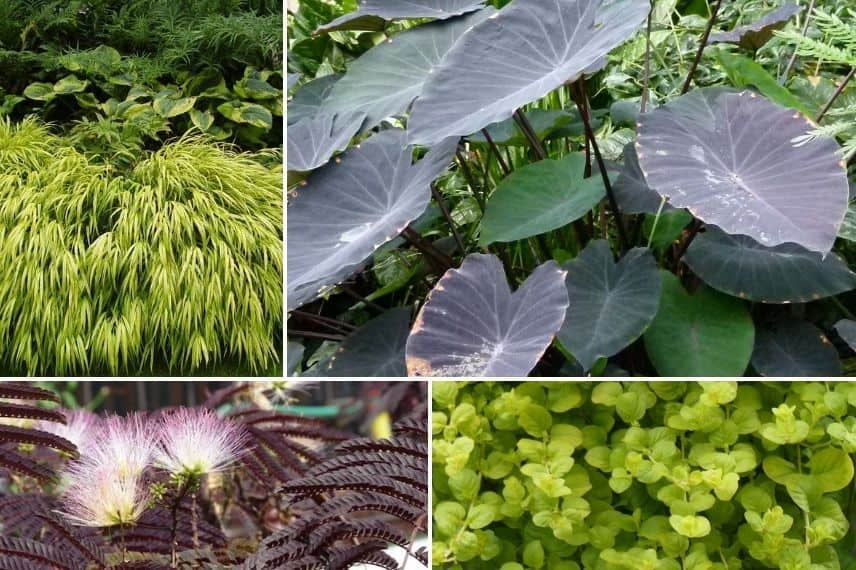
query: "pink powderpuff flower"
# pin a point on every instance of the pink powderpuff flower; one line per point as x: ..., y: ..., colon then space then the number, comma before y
x: 80, y: 428
x: 196, y: 441
x: 106, y: 486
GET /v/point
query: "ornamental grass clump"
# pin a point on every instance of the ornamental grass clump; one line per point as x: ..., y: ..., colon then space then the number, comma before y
x: 174, y: 263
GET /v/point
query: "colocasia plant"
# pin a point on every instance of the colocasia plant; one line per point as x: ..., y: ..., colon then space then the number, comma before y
x: 229, y: 484
x: 570, y: 187
x: 644, y: 475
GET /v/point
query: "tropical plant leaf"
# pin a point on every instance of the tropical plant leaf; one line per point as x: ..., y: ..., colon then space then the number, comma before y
x: 736, y: 160
x: 705, y: 334
x: 313, y: 140
x: 793, y: 347
x: 754, y: 35
x: 848, y: 226
x: 743, y: 72
x: 308, y: 99
x: 373, y: 14
x: 611, y: 304
x: 375, y: 349
x: 540, y: 197
x: 846, y: 329
x: 385, y: 80
x: 473, y: 325
x: 347, y: 210
x: 498, y: 67
x: 545, y: 122
x: 631, y: 189
x: 786, y: 273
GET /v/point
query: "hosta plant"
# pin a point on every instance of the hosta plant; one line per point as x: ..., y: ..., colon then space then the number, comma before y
x: 241, y: 481
x: 709, y: 475
x: 568, y: 188
x: 171, y: 264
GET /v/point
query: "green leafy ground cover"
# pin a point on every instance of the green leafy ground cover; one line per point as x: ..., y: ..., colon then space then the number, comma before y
x: 644, y: 475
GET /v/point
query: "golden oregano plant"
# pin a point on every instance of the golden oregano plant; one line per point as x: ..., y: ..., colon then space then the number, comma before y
x: 173, y: 263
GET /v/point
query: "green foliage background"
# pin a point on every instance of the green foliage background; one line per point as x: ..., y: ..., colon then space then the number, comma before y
x: 644, y: 475
x: 140, y: 187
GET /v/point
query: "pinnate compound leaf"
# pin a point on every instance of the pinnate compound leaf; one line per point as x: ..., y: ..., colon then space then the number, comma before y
x: 704, y: 334
x: 792, y: 347
x: 375, y: 349
x: 786, y: 273
x: 313, y: 140
x: 372, y: 14
x: 347, y: 210
x: 517, y: 56
x: 737, y: 160
x: 473, y: 325
x: 540, y: 197
x: 386, y: 79
x: 754, y: 35
x: 611, y: 304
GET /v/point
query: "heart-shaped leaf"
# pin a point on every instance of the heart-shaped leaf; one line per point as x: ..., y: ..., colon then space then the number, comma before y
x: 753, y: 36
x: 540, y: 197
x: 473, y: 325
x: 705, y: 334
x: 70, y: 84
x: 167, y: 104
x: 346, y: 210
x: 743, y: 163
x: 313, y: 140
x: 375, y: 349
x: 515, y: 57
x: 247, y: 113
x: 39, y: 91
x: 786, y: 273
x: 791, y: 347
x: 372, y: 14
x: 387, y: 78
x: 611, y: 304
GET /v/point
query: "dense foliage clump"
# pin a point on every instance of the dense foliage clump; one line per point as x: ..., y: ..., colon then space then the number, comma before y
x: 635, y: 475
x: 603, y: 188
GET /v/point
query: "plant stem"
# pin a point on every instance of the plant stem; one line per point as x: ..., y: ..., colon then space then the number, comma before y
x: 353, y: 293
x: 582, y: 104
x: 793, y: 59
x: 313, y: 334
x: 643, y: 100
x: 332, y: 324
x: 440, y: 259
x: 194, y: 521
x: 468, y: 174
x: 701, y: 47
x: 495, y: 150
x: 442, y: 204
x: 530, y: 134
x: 685, y: 244
x: 173, y: 534
x: 835, y: 95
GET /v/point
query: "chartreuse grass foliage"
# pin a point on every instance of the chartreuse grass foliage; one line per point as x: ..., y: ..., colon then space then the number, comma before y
x: 643, y: 475
x: 173, y: 263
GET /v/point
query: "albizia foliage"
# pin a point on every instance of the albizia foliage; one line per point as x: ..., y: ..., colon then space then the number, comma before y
x: 174, y: 263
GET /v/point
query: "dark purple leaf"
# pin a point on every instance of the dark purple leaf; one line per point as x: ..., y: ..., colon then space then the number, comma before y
x: 741, y: 162
x: 473, y: 325
x: 791, y: 347
x: 787, y: 273
x: 517, y: 56
x: 846, y: 329
x: 313, y: 140
x: 753, y: 36
x: 308, y: 99
x: 372, y: 14
x: 351, y: 207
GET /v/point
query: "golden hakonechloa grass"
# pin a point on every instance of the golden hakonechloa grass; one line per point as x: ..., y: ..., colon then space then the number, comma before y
x: 176, y: 261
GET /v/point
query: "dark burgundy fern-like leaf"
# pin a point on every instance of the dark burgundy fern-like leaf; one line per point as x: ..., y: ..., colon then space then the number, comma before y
x: 15, y: 391
x: 34, y: 555
x: 342, y: 557
x: 18, y: 463
x: 28, y: 412
x: 14, y: 434
x: 69, y: 536
x: 381, y: 560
